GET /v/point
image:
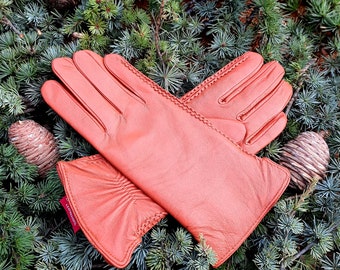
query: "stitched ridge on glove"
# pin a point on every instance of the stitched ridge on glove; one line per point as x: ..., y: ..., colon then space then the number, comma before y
x: 177, y: 102
x: 149, y: 223
x: 214, y: 78
x: 180, y: 104
x: 107, y: 254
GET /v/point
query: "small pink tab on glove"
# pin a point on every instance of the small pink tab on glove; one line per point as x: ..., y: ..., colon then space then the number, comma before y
x: 65, y: 203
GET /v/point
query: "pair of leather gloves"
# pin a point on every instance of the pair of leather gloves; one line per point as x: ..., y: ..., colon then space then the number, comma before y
x: 192, y: 157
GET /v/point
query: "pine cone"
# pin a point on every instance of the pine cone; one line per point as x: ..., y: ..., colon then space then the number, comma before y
x: 35, y: 143
x: 307, y: 158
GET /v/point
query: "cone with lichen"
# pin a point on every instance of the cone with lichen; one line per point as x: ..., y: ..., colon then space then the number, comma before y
x: 35, y: 143
x: 307, y: 158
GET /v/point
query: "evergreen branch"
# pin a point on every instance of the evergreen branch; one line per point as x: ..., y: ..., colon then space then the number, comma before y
x: 297, y: 255
x: 300, y: 81
x: 158, y: 25
x: 99, y: 266
x: 55, y: 228
x: 332, y: 227
x: 305, y: 195
x: 7, y: 22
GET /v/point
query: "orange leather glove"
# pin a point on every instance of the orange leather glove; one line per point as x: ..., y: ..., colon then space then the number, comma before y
x: 142, y: 131
x: 94, y: 185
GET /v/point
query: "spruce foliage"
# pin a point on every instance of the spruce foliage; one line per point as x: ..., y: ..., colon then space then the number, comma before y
x: 177, y: 44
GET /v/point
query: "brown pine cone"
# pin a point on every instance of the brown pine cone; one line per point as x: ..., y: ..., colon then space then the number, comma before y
x: 35, y: 143
x: 307, y: 158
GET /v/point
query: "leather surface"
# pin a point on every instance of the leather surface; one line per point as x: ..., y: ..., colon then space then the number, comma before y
x: 155, y: 140
x: 111, y: 211
x: 244, y: 93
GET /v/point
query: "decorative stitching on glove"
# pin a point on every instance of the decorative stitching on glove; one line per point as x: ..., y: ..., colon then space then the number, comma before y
x: 92, y: 236
x: 213, y: 79
x: 180, y: 104
x: 149, y: 223
x: 177, y: 102
x: 128, y: 187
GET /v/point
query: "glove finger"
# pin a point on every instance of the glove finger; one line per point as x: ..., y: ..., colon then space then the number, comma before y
x: 261, y: 115
x: 97, y: 105
x: 89, y: 64
x: 258, y: 140
x: 127, y: 74
x: 72, y: 110
x: 234, y: 129
x: 131, y: 78
x: 207, y: 96
x: 254, y: 92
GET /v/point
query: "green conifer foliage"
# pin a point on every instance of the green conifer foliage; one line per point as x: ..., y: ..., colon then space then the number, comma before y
x: 177, y: 44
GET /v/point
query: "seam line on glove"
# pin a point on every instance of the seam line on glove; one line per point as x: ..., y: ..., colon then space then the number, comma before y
x: 107, y: 254
x: 183, y: 106
x: 260, y: 217
x: 149, y: 223
x: 214, y: 78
